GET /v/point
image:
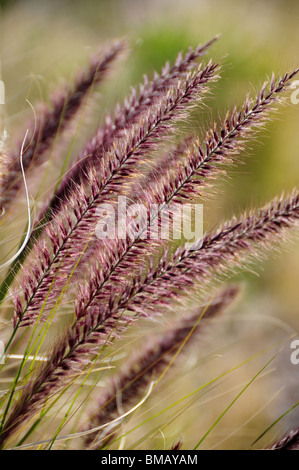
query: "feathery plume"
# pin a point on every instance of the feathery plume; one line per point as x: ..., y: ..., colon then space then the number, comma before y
x: 69, y: 234
x: 128, y: 115
x: 54, y: 118
x: 220, y: 251
x: 289, y: 441
x: 220, y: 145
x: 223, y: 250
x: 130, y: 383
x: 204, y: 163
x: 177, y: 445
x: 171, y: 277
x: 168, y: 163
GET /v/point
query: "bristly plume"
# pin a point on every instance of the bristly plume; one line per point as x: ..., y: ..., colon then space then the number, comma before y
x: 177, y: 445
x: 220, y: 146
x: 204, y: 163
x: 129, y: 384
x: 114, y: 282
x: 290, y: 441
x: 221, y: 251
x: 69, y: 233
x: 54, y: 118
x: 125, y: 119
x: 128, y: 115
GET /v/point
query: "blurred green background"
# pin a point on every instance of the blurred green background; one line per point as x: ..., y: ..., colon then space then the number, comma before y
x: 43, y: 42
